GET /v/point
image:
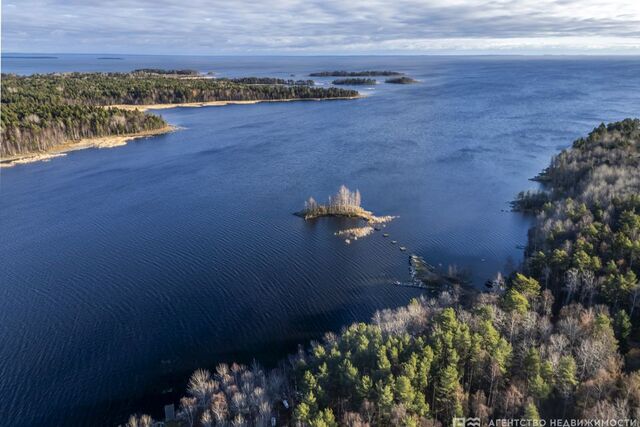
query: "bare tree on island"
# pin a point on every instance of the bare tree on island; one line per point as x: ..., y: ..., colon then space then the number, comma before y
x: 345, y: 199
x: 344, y: 203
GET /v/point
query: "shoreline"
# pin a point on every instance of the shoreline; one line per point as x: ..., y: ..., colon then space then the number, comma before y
x: 120, y: 140
x: 145, y: 107
x: 81, y: 144
x: 360, y: 213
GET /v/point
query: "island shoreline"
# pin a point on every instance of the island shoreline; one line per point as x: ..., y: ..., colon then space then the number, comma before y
x: 111, y: 141
x: 145, y: 107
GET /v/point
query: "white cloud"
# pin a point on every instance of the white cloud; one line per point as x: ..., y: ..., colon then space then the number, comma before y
x: 317, y: 26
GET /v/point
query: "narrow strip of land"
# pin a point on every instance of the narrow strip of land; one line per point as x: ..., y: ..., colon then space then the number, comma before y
x: 44, y: 116
x: 146, y: 107
x: 97, y: 142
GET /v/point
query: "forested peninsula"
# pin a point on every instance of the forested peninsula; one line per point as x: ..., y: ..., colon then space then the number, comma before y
x: 41, y: 111
x: 355, y: 81
x: 557, y: 340
x: 269, y: 81
x: 401, y: 80
x: 355, y: 73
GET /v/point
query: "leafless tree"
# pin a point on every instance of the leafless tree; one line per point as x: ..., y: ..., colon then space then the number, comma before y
x: 588, y: 287
x: 511, y: 400
x: 219, y: 407
x: 368, y: 411
x: 239, y: 421
x: 188, y: 410
x: 572, y: 283
x: 200, y: 386
x: 353, y: 419
x: 206, y: 419
x: 141, y: 421
x: 571, y: 328
x: 478, y: 405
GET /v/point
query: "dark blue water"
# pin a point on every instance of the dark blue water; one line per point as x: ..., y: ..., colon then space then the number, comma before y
x: 124, y: 269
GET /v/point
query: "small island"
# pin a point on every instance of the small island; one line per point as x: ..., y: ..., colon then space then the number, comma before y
x: 355, y: 73
x: 160, y: 71
x: 268, y: 81
x: 404, y: 80
x: 345, y: 203
x: 355, y: 81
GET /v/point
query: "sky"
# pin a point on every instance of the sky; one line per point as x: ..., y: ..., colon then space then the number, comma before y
x: 321, y: 27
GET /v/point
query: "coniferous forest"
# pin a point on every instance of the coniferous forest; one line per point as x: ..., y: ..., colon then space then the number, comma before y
x: 355, y: 81
x: 558, y: 339
x: 367, y: 73
x: 41, y: 111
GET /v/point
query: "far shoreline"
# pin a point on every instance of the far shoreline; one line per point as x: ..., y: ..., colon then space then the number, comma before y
x: 145, y: 107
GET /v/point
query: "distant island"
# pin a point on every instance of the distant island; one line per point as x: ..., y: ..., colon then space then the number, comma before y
x: 401, y: 80
x: 355, y: 81
x: 111, y: 58
x: 29, y: 57
x: 161, y: 71
x: 268, y: 81
x: 354, y: 73
x: 44, y: 112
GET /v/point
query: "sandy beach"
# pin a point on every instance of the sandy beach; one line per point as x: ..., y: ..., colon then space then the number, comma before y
x: 219, y: 103
x: 60, y: 150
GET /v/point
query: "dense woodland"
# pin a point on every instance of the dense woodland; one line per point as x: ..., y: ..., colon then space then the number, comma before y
x: 269, y: 81
x: 401, y: 80
x: 557, y: 340
x: 355, y: 73
x: 41, y: 111
x: 355, y: 81
x: 183, y: 72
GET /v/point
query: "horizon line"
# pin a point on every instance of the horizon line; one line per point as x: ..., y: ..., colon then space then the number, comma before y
x: 589, y: 54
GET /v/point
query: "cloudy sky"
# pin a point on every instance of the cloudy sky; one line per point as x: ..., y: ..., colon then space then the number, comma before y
x: 294, y: 27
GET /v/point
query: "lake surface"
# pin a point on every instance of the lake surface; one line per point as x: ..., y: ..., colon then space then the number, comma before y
x: 125, y: 269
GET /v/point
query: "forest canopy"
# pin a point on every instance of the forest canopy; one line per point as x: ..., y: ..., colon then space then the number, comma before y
x: 183, y: 72
x: 401, y: 80
x: 355, y: 73
x: 355, y: 81
x: 44, y: 110
x: 557, y: 340
x: 268, y: 81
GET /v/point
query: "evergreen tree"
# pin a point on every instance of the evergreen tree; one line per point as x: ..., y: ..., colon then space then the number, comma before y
x: 531, y: 412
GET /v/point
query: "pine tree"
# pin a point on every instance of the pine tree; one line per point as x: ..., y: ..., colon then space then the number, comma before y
x: 514, y: 301
x: 325, y: 418
x: 404, y: 391
x: 383, y: 363
x: 526, y: 286
x: 531, y: 412
x: 364, y: 387
x: 623, y: 327
x: 446, y: 392
x: 385, y: 398
x: 566, y: 380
